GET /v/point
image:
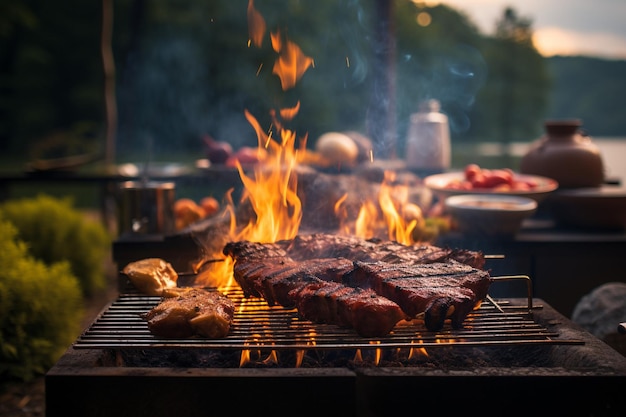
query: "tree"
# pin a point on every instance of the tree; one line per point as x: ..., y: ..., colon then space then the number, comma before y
x: 514, y: 101
x: 439, y: 57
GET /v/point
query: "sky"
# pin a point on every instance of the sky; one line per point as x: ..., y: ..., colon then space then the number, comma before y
x: 561, y: 27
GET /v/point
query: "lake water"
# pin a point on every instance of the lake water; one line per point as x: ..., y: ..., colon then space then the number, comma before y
x: 613, y: 152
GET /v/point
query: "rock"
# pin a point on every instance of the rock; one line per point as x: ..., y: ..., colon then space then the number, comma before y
x: 600, y: 311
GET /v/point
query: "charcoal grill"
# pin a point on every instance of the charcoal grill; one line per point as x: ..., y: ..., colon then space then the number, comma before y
x: 517, y: 354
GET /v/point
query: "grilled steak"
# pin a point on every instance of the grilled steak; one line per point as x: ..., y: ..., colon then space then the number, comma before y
x: 321, y: 245
x: 274, y: 278
x: 263, y: 270
x: 362, y: 309
x: 312, y: 272
x: 437, y: 289
x: 194, y: 312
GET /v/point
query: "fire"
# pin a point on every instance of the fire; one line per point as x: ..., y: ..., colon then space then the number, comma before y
x: 271, y: 190
x: 291, y: 63
x: 256, y: 25
x: 392, y: 214
x: 415, y: 352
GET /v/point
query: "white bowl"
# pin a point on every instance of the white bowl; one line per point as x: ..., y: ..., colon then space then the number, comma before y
x: 439, y: 185
x: 489, y: 214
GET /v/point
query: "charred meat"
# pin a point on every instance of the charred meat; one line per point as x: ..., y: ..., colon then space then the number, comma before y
x: 321, y: 245
x: 439, y: 290
x: 333, y: 279
x: 369, y: 314
x: 193, y: 312
x: 264, y: 270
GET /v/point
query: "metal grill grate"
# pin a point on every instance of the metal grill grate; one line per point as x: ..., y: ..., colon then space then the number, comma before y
x: 258, y: 326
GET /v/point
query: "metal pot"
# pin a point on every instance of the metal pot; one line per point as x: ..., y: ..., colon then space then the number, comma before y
x: 146, y: 207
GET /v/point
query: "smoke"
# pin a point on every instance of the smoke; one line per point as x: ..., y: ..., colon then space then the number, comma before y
x: 453, y: 76
x: 163, y: 96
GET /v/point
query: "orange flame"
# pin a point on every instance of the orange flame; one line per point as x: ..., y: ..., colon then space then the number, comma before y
x: 392, y: 214
x: 256, y: 25
x: 290, y: 113
x: 291, y: 64
x: 272, y: 192
x: 367, y: 220
x: 397, y: 227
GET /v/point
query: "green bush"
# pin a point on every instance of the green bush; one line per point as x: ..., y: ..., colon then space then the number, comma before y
x: 41, y: 309
x: 55, y: 231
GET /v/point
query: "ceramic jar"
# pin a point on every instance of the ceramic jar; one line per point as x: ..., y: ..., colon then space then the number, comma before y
x: 566, y: 155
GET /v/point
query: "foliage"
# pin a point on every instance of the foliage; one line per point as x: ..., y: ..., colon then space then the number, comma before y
x: 590, y: 89
x: 514, y: 101
x: 513, y: 104
x: 55, y: 231
x: 50, y: 70
x: 184, y: 69
x: 40, y: 309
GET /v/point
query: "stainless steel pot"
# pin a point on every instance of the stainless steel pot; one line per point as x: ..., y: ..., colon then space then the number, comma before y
x: 146, y: 207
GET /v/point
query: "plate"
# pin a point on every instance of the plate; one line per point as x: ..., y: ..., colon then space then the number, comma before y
x: 438, y: 185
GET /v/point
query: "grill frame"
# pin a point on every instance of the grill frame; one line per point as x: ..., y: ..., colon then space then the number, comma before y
x: 91, y: 382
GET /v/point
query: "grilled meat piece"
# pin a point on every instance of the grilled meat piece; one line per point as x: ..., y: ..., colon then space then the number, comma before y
x: 152, y: 276
x: 313, y: 287
x: 439, y: 289
x: 369, y: 314
x: 321, y: 245
x: 245, y: 249
x: 274, y: 278
x: 194, y: 312
x: 438, y: 282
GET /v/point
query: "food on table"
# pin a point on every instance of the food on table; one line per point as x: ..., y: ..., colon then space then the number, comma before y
x: 247, y: 155
x: 503, y: 179
x: 395, y: 281
x: 192, y: 312
x: 217, y: 151
x: 187, y: 211
x: 152, y: 276
x: 210, y: 205
x: 337, y: 149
